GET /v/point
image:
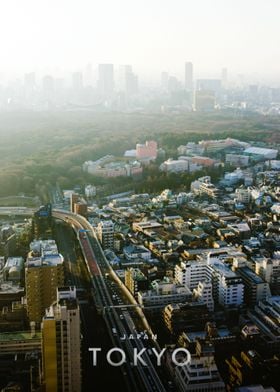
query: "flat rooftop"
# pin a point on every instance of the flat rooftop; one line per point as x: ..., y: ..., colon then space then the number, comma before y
x: 251, y: 275
x: 19, y: 336
x: 51, y: 260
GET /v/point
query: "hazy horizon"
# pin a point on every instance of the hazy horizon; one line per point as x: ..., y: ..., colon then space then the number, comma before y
x: 153, y: 36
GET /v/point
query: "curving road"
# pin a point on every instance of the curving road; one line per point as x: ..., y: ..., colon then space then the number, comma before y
x: 114, y: 302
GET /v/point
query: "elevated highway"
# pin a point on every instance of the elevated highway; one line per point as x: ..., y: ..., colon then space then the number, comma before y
x: 117, y: 318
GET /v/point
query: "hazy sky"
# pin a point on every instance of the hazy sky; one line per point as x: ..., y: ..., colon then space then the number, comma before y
x: 155, y: 35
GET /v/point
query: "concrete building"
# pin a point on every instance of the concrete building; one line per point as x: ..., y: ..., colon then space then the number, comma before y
x: 44, y: 272
x: 266, y: 315
x: 20, y: 342
x: 256, y: 289
x: 105, y: 234
x: 191, y: 273
x: 222, y: 144
x: 108, y: 167
x: 228, y: 287
x: 147, y: 150
x: 269, y: 270
x: 135, y: 280
x: 175, y: 166
x: 261, y: 153
x: 201, y: 374
x: 191, y: 316
x: 237, y: 160
x: 61, y: 345
x: 80, y: 208
x: 74, y: 198
x: 242, y: 195
x: 203, y: 186
x: 13, y: 269
x: 203, y: 161
x: 163, y: 293
x: 203, y: 293
x: 132, y: 252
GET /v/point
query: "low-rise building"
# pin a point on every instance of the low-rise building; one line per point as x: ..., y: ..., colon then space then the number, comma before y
x: 13, y: 269
x: 190, y: 316
x: 203, y: 186
x: 163, y: 293
x: 135, y: 280
x: 132, y: 252
x: 201, y: 373
x: 261, y: 153
x: 266, y: 315
x: 175, y: 166
x: 20, y: 342
x: 237, y: 160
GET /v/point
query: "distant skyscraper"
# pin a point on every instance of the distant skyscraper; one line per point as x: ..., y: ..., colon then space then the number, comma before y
x: 106, y: 79
x: 61, y: 343
x: 188, y: 76
x: 77, y: 80
x: 128, y: 80
x: 224, y: 77
x: 88, y: 75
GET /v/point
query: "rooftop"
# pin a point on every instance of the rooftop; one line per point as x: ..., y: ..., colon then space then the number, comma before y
x: 19, y: 336
x: 251, y: 274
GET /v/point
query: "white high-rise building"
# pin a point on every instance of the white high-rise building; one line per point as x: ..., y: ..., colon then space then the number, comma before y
x: 227, y: 286
x: 105, y: 233
x: 191, y: 273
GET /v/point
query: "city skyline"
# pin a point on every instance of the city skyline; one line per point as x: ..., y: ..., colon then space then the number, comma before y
x: 53, y: 36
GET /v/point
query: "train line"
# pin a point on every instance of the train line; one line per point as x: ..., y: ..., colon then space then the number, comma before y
x: 138, y: 378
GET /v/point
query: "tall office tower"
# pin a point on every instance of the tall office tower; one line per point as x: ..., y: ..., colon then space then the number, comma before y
x: 44, y: 272
x: 189, y: 76
x: 105, y: 79
x: 128, y: 80
x: 77, y: 80
x: 224, y: 78
x: 61, y: 344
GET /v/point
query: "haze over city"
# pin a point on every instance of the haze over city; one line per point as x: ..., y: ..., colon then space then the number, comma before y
x: 153, y: 36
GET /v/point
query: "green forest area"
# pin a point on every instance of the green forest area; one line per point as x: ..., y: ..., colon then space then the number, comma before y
x: 40, y: 149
